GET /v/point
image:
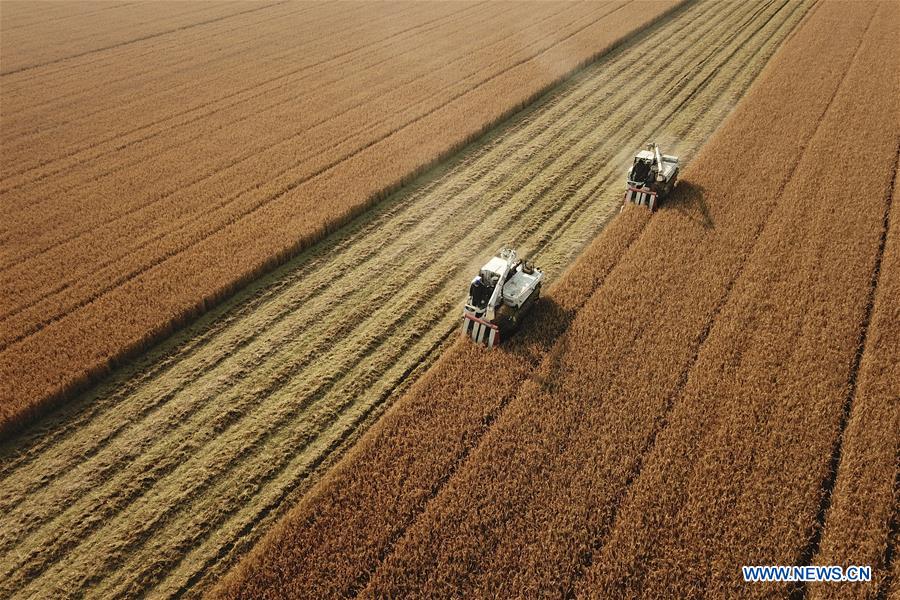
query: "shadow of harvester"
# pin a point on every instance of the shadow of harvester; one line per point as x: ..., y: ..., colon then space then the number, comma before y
x: 689, y: 200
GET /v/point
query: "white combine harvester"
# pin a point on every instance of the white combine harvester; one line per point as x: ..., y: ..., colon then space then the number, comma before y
x: 651, y: 178
x: 500, y: 294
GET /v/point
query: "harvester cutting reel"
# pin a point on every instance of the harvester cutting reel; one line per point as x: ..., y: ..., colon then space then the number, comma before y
x: 499, y: 297
x: 651, y: 178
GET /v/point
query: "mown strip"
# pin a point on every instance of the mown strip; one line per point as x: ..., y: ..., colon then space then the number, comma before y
x: 336, y: 537
x: 71, y: 351
x: 170, y: 222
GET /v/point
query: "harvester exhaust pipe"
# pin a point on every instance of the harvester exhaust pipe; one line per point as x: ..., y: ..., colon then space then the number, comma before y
x: 660, y: 177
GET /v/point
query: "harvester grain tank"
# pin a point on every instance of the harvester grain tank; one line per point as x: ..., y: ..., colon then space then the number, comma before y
x: 651, y: 178
x: 499, y: 297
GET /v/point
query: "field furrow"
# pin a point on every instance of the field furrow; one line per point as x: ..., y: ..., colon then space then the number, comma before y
x: 578, y: 440
x: 462, y: 191
x: 78, y: 35
x: 234, y: 241
x: 283, y: 370
x: 400, y: 36
x: 737, y: 476
x: 224, y: 76
x: 163, y: 116
x: 34, y: 111
x: 861, y: 515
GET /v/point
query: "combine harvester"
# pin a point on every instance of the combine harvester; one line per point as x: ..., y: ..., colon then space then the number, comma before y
x: 651, y: 178
x: 501, y: 293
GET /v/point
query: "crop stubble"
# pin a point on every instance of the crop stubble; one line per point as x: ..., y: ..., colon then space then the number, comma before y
x: 276, y: 375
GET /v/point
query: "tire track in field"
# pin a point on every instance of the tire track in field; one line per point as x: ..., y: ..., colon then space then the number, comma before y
x: 72, y: 95
x: 180, y: 223
x: 43, y: 195
x: 138, y: 52
x: 279, y: 81
x: 116, y: 139
x: 193, y: 13
x: 137, y: 40
x: 245, y: 157
x: 64, y: 284
x: 163, y: 550
x: 380, y: 236
x: 283, y: 81
x: 199, y: 12
x: 812, y: 548
x: 43, y: 21
x: 562, y: 341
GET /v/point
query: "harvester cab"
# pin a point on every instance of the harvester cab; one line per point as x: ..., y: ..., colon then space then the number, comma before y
x: 651, y: 178
x: 499, y: 296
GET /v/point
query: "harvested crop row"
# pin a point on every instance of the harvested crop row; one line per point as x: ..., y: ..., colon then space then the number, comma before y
x: 295, y: 379
x: 858, y: 521
x: 79, y: 345
x: 338, y: 535
x: 300, y: 557
x: 508, y: 177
